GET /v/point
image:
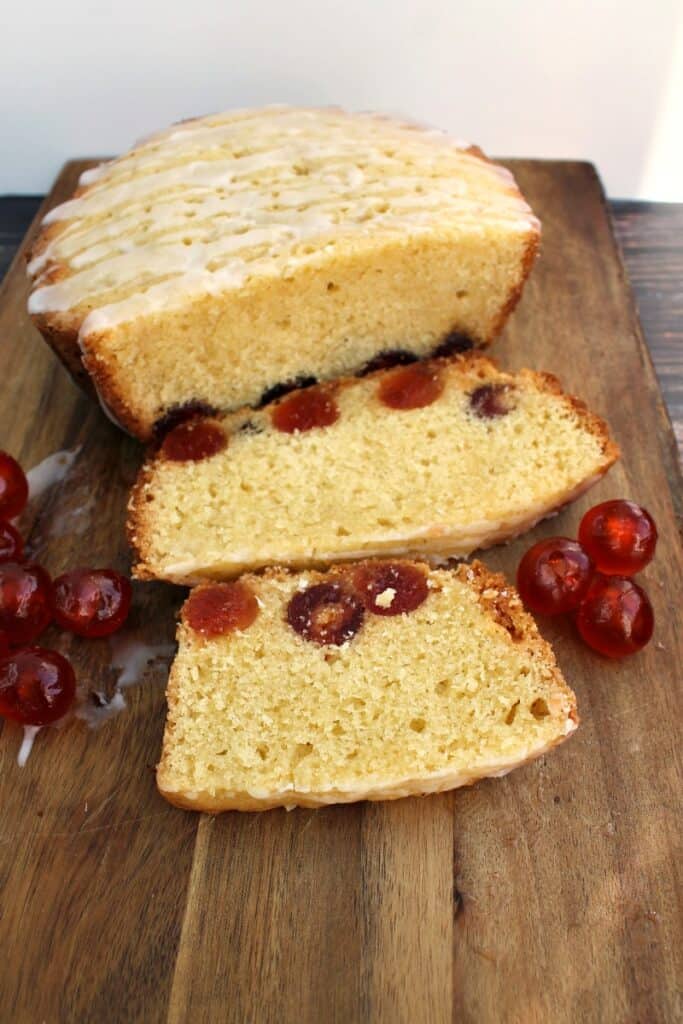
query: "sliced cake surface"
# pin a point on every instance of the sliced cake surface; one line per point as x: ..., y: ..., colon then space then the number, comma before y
x: 435, y: 458
x: 373, y: 681
x: 236, y: 252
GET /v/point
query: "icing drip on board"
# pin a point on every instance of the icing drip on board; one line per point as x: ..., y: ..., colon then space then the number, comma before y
x: 30, y: 733
x: 52, y: 470
x: 134, y: 659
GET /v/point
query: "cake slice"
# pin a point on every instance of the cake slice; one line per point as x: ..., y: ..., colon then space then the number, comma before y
x: 373, y: 681
x: 435, y: 458
x: 241, y: 252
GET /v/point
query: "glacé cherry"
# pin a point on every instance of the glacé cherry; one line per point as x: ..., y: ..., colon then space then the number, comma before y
x: 13, y: 487
x: 615, y: 617
x: 11, y: 543
x: 326, y: 613
x: 491, y: 401
x: 91, y: 602
x: 37, y: 686
x: 619, y: 536
x: 390, y: 588
x: 411, y: 387
x: 220, y: 608
x: 193, y: 440
x: 25, y: 601
x: 304, y: 410
x: 554, y: 575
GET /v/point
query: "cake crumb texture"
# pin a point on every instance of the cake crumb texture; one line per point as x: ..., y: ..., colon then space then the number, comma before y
x: 441, y: 480
x: 460, y: 688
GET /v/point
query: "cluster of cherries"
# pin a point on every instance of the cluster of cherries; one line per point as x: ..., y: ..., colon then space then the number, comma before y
x: 38, y: 685
x: 591, y: 577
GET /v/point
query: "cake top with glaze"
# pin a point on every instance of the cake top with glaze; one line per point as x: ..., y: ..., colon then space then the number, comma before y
x: 212, y: 202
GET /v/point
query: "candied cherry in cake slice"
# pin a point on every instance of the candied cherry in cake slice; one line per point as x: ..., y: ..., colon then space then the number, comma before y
x: 390, y: 588
x: 411, y: 387
x: 305, y: 410
x: 326, y: 613
x: 220, y: 608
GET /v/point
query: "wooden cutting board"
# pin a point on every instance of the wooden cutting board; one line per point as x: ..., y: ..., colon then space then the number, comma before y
x: 551, y: 895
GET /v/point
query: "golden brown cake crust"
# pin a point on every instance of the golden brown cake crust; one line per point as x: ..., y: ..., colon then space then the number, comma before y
x: 502, y: 604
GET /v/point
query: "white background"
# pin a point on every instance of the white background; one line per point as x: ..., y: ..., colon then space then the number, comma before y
x: 557, y: 78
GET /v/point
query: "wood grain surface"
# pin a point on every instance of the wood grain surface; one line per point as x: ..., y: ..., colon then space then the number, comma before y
x: 552, y: 895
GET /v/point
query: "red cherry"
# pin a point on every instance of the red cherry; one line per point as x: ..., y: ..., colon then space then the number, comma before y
x: 194, y: 440
x: 615, y: 617
x: 412, y: 387
x: 4, y: 645
x: 554, y: 575
x: 305, y: 410
x: 92, y: 602
x: 400, y: 587
x: 620, y: 537
x: 25, y: 601
x: 37, y: 686
x: 13, y: 487
x: 326, y: 613
x: 218, y: 609
x: 11, y: 543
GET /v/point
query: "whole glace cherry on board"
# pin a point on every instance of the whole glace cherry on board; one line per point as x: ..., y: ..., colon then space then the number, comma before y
x: 554, y: 575
x: 91, y: 602
x: 11, y: 543
x: 37, y: 686
x: 615, y: 617
x: 620, y: 537
x: 13, y: 487
x: 25, y: 601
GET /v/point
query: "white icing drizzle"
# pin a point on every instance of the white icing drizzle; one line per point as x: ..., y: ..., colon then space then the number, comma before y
x: 30, y: 733
x: 50, y: 471
x: 212, y: 202
x: 96, y: 715
x: 67, y: 522
x: 132, y: 657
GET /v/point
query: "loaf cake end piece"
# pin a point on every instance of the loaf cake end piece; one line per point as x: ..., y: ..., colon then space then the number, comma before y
x: 238, y: 253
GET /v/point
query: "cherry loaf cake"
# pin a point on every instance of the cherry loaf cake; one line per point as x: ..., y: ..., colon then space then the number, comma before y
x: 282, y: 693
x: 436, y: 458
x: 237, y: 253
